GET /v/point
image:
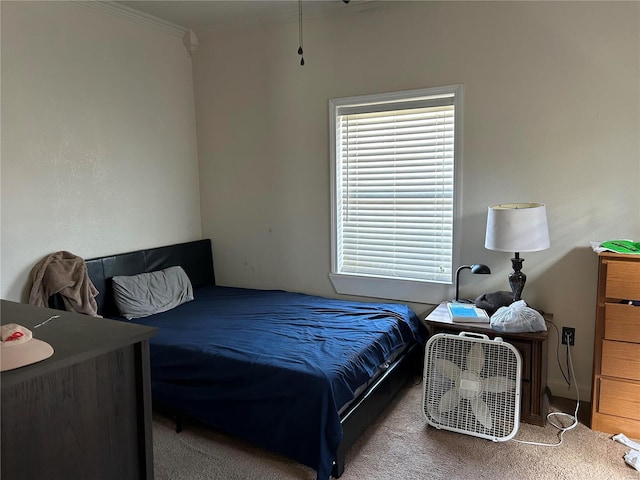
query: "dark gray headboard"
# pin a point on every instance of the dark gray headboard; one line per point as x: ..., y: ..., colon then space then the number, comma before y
x: 195, y: 257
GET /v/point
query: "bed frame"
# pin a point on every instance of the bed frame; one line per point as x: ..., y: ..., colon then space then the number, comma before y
x: 197, y: 260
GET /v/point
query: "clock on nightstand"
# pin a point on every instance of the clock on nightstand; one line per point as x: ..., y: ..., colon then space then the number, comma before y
x: 534, y: 395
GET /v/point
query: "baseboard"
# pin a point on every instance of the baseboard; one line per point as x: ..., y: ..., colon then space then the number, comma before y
x: 568, y: 405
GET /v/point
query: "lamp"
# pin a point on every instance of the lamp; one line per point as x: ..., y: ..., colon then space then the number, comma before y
x: 475, y: 268
x: 517, y: 227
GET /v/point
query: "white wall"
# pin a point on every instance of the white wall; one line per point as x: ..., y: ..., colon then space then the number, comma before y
x: 99, y: 151
x: 551, y: 114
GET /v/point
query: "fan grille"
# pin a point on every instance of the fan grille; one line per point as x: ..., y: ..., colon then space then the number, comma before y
x: 472, y: 386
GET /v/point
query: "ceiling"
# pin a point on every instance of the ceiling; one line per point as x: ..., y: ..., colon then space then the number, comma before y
x: 217, y: 14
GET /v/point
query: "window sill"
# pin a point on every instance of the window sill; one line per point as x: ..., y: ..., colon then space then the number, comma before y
x: 392, y: 289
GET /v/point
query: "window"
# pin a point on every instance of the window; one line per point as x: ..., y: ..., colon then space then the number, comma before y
x: 393, y: 166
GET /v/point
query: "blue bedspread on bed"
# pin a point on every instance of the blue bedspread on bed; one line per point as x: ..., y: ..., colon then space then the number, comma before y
x: 274, y: 367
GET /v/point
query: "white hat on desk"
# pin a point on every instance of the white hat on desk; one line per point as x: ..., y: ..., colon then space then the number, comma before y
x: 18, y: 347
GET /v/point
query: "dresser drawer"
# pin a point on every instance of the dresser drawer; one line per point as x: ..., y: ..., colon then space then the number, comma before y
x: 619, y: 398
x: 621, y: 359
x: 623, y: 280
x: 622, y: 322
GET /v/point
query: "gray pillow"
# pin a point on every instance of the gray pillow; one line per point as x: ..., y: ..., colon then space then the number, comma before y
x: 142, y: 295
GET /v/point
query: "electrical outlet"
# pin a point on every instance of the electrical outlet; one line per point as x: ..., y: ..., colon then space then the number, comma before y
x: 568, y: 335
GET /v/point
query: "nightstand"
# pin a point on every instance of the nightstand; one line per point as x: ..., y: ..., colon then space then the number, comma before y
x: 534, y: 396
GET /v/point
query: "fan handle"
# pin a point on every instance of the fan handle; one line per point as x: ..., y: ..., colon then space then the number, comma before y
x: 479, y: 335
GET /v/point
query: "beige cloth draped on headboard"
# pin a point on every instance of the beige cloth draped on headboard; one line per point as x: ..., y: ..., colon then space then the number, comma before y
x: 64, y: 273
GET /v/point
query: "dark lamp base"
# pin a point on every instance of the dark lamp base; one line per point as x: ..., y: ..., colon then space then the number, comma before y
x: 517, y: 278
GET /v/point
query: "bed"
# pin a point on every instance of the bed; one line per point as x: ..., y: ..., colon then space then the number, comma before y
x: 298, y: 374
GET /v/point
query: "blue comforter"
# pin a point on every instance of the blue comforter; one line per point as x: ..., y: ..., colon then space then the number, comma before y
x: 274, y: 367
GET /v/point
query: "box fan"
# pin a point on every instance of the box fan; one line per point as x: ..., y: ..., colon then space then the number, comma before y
x: 472, y: 385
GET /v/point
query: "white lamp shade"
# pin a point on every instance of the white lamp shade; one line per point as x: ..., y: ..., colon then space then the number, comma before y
x: 517, y: 227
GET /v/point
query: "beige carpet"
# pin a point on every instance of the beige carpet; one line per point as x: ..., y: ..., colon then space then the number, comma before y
x: 399, y: 446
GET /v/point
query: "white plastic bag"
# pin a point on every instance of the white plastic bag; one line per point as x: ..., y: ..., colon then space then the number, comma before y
x: 518, y: 317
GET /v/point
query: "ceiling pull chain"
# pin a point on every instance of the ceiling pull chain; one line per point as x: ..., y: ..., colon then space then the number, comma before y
x: 300, y: 51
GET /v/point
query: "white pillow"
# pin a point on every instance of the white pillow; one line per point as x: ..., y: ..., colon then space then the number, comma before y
x: 142, y: 295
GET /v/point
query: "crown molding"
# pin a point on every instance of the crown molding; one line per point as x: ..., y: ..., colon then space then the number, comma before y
x: 136, y: 16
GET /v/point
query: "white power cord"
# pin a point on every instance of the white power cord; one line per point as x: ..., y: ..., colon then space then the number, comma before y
x: 573, y: 418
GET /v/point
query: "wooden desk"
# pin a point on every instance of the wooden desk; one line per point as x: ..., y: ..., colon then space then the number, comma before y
x: 85, y: 412
x: 534, y: 397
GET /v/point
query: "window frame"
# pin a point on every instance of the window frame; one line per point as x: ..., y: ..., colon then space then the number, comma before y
x: 419, y: 291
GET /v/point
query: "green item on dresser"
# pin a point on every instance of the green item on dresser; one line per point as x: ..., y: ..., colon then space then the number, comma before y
x: 621, y: 246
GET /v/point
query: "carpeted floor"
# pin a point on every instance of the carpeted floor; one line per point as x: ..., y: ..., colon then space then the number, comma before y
x: 400, y: 445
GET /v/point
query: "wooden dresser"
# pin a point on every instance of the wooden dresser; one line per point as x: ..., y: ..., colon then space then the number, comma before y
x: 616, y: 356
x: 85, y: 412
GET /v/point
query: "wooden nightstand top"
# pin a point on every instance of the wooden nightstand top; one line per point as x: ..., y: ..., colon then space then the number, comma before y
x: 440, y: 318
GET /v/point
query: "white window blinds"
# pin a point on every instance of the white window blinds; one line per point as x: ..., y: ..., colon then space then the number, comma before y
x: 394, y: 188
